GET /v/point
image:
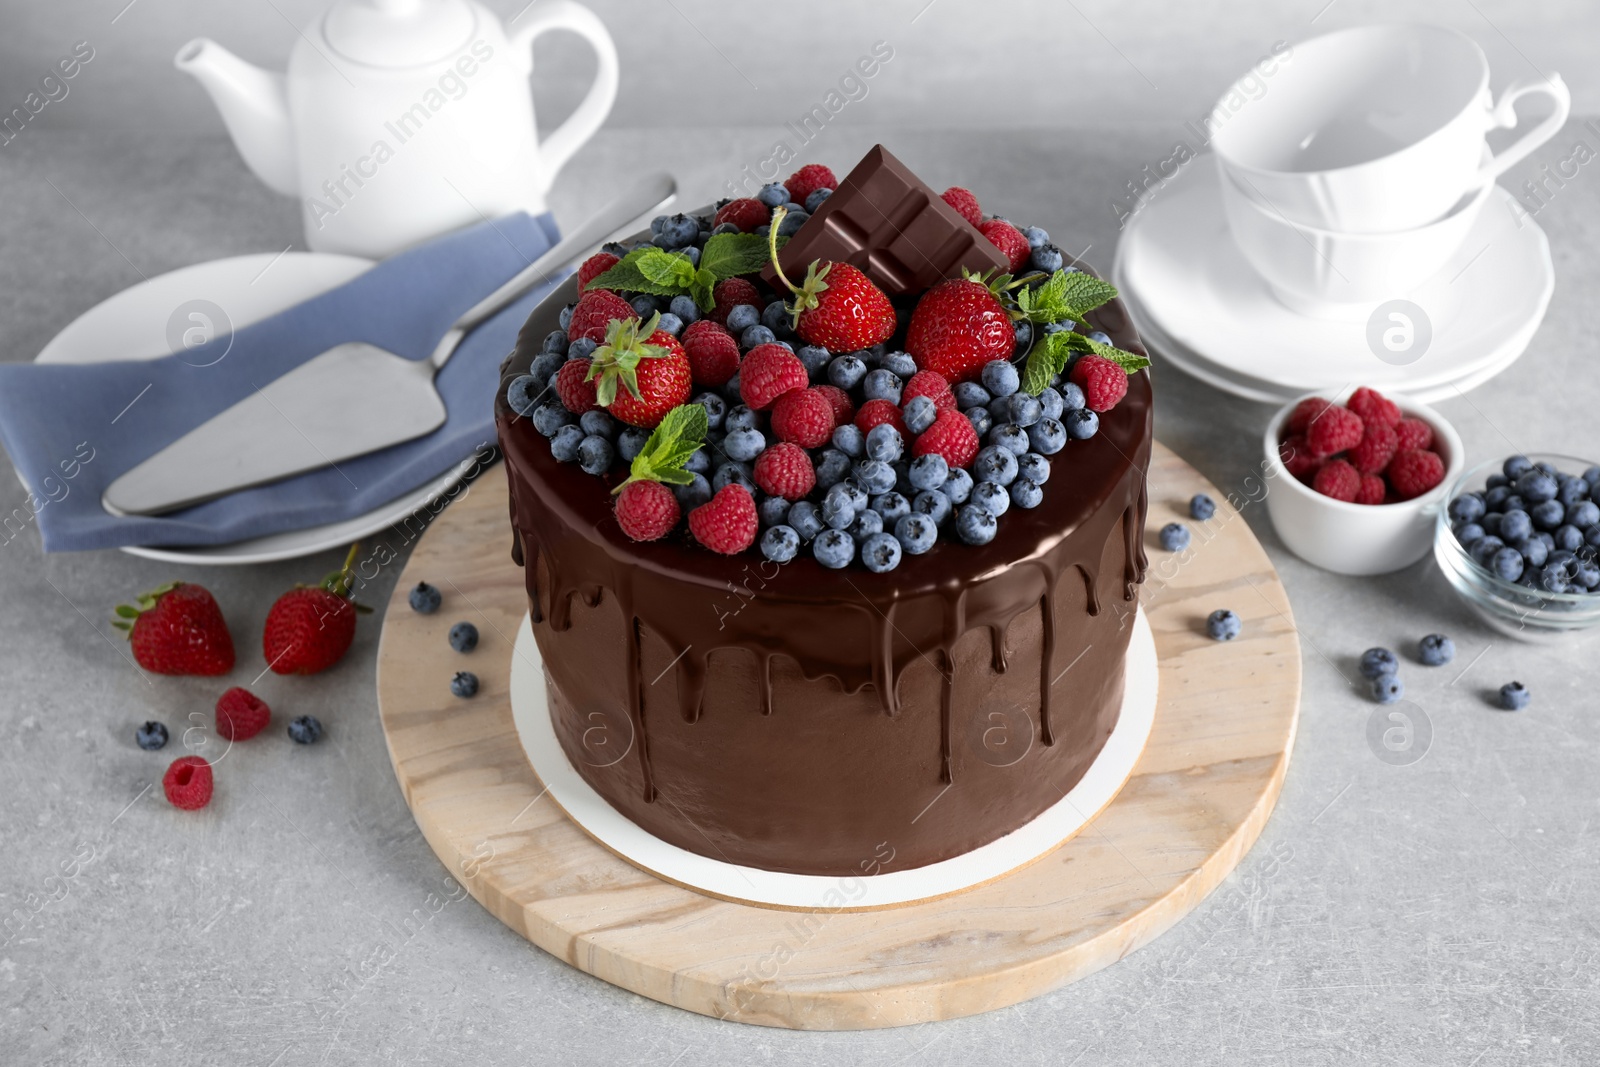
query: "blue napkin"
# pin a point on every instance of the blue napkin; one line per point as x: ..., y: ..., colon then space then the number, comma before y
x: 60, y: 420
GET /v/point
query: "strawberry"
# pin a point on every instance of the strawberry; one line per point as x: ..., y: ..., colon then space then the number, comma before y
x: 188, y: 783
x: 1373, y: 406
x: 1414, y: 472
x: 836, y: 306
x: 310, y: 627
x: 876, y: 412
x: 713, y: 353
x: 932, y: 385
x: 574, y: 387
x: 241, y: 714
x: 807, y: 180
x: 768, y: 372
x: 785, y: 470
x: 951, y: 436
x: 957, y: 327
x: 177, y: 629
x: 1339, y: 480
x: 594, y: 313
x: 965, y: 203
x: 727, y: 522
x: 1336, y: 430
x: 651, y: 366
x: 1009, y: 240
x: 646, y: 511
x: 843, y: 409
x: 747, y: 213
x: 803, y: 416
x: 593, y: 267
x: 729, y: 294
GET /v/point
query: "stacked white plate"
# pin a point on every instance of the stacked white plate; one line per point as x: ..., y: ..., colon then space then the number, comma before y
x: 1199, y: 305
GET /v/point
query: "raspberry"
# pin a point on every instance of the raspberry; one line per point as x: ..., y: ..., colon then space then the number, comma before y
x: 807, y: 180
x: 1339, y: 480
x: 876, y: 412
x: 769, y: 371
x: 595, y: 266
x: 577, y: 395
x: 803, y: 416
x: 785, y: 470
x: 1415, y: 471
x: 646, y: 511
x: 1305, y: 413
x: 950, y: 436
x: 713, y: 353
x: 594, y: 313
x: 965, y: 203
x: 747, y: 213
x: 1337, y: 430
x: 1372, y: 491
x: 1102, y: 381
x: 729, y: 294
x: 188, y: 783
x: 1376, y: 448
x: 931, y: 384
x: 1373, y: 406
x: 1413, y: 433
x: 727, y: 522
x: 1297, y: 457
x: 839, y: 400
x: 1008, y: 239
x: 241, y: 715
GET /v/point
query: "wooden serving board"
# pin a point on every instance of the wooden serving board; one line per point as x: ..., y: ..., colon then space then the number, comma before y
x: 1197, y: 800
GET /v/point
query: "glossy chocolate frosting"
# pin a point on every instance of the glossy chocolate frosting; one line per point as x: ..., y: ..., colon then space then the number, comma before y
x: 834, y: 722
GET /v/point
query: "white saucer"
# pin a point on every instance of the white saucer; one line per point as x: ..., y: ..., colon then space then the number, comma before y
x: 530, y: 711
x: 135, y: 324
x: 1200, y: 304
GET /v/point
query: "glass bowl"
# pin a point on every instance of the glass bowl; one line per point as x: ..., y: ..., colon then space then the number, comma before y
x: 1512, y: 608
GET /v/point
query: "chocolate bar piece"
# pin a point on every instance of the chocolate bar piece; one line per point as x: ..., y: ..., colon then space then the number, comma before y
x: 889, y: 224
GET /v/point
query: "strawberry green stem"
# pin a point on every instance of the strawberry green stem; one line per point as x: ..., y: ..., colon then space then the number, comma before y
x: 778, y: 215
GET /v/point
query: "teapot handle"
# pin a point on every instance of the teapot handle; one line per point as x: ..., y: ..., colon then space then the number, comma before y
x: 559, y: 146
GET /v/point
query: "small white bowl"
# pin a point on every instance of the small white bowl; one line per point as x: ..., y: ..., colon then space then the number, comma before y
x: 1358, y: 539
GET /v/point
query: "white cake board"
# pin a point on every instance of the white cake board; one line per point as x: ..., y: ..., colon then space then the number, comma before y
x: 530, y: 711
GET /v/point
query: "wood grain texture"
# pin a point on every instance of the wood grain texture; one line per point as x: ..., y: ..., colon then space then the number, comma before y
x: 1196, y: 802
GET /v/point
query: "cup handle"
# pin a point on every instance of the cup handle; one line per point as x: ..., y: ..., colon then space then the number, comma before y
x: 564, y: 140
x: 1504, y: 117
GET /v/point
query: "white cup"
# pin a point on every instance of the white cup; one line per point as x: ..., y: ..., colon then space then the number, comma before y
x: 1378, y: 129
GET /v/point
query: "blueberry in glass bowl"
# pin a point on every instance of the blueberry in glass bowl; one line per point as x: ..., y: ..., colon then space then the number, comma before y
x: 1519, y: 541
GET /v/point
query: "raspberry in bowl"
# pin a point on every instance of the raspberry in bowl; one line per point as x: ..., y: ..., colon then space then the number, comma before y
x: 1519, y: 541
x: 1359, y: 478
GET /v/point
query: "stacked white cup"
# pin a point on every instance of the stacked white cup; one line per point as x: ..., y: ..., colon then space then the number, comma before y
x: 1361, y: 170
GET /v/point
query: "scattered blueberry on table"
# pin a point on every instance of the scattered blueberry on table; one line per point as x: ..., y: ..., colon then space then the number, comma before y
x: 1378, y: 662
x: 464, y: 684
x: 151, y: 736
x: 1201, y: 507
x: 1223, y: 625
x: 1387, y: 688
x: 425, y: 599
x: 1514, y: 696
x: 305, y: 730
x: 1435, y: 650
x: 1174, y: 537
x: 463, y: 637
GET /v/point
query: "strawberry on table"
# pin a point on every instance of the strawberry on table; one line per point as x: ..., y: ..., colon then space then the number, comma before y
x: 958, y: 326
x: 177, y: 629
x: 836, y: 306
x: 650, y: 367
x: 310, y: 627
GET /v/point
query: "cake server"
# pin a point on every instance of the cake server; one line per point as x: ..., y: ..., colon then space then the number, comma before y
x: 302, y: 420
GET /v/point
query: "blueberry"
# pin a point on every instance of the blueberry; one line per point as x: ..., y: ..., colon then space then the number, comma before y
x: 884, y: 442
x: 1011, y: 437
x: 1548, y: 515
x: 1484, y: 548
x: 756, y: 335
x: 732, y: 473
x: 1201, y: 507
x: 555, y: 341
x: 1388, y: 689
x: 880, y: 552
x: 815, y: 359
x: 976, y: 525
x: 815, y: 199
x: 699, y: 462
x: 1496, y: 480
x: 791, y: 223
x: 463, y: 637
x: 1515, y: 503
x: 740, y: 417
x: 846, y: 371
x: 424, y: 599
x: 1047, y: 436
x: 644, y: 306
x: 868, y: 522
x: 1051, y: 405
x: 549, y: 417
x: 741, y: 317
x: 850, y: 440
x: 1534, y: 552
x: 1506, y: 564
x: 1024, y: 335
x: 875, y: 476
x: 692, y: 495
x: 151, y: 736
x: 1571, y: 490
x: 1467, y: 533
x: 1034, y: 467
x: 773, y: 195
x: 1553, y: 577
x: 716, y: 409
x: 685, y: 308
x: 464, y: 684
x: 981, y: 421
x: 306, y: 730
x: 1468, y: 507
x: 1592, y: 476
x: 1516, y: 466
x: 1025, y: 410
x: 1514, y: 525
x: 834, y: 548
x: 1000, y: 378
x: 1072, y: 398
x: 832, y: 468
x: 1223, y: 625
x: 995, y: 464
x: 1100, y: 336
x: 1568, y: 537
x: 1584, y: 514
x: 772, y: 511
x: 545, y: 364
x: 1514, y: 696
x: 1036, y: 237
x: 564, y: 445
x: 1081, y: 423
x: 838, y: 508
x: 670, y: 323
x: 582, y: 348
x: 1588, y: 574
x: 1026, y: 494
x: 934, y: 504
x: 804, y: 519
x: 929, y: 471
x: 1591, y: 536
x: 972, y: 395
x: 726, y: 227
x: 595, y: 454
x: 523, y: 394
x: 1000, y: 409
x: 1174, y: 537
x: 1377, y: 662
x: 916, y: 532
x: 992, y: 497
x: 1548, y: 538
x: 1535, y: 486
x: 598, y: 423
x: 565, y: 317
x: 775, y: 316
x: 882, y: 384
x: 891, y: 506
x: 744, y: 445
x: 899, y: 363
x: 1492, y: 522
x: 1047, y: 258
x: 902, y: 478
x: 958, y: 486
x: 919, y: 413
x: 1436, y: 650
x: 780, y: 543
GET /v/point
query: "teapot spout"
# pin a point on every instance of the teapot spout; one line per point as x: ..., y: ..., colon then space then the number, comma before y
x: 254, y: 106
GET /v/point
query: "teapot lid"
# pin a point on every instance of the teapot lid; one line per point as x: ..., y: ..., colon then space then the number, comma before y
x: 398, y: 33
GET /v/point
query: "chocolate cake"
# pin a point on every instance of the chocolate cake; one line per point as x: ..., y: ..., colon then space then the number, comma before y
x: 831, y: 720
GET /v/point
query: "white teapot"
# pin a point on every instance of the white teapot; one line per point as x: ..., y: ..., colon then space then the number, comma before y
x: 399, y: 120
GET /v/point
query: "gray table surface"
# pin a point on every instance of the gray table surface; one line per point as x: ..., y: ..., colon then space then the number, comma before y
x: 1437, y: 913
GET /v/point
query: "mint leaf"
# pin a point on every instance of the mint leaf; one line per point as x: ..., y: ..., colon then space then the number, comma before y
x: 1052, y: 356
x: 666, y: 269
x: 625, y: 276
x: 1126, y: 360
x: 1082, y: 292
x: 702, y: 289
x: 680, y: 432
x: 728, y: 254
